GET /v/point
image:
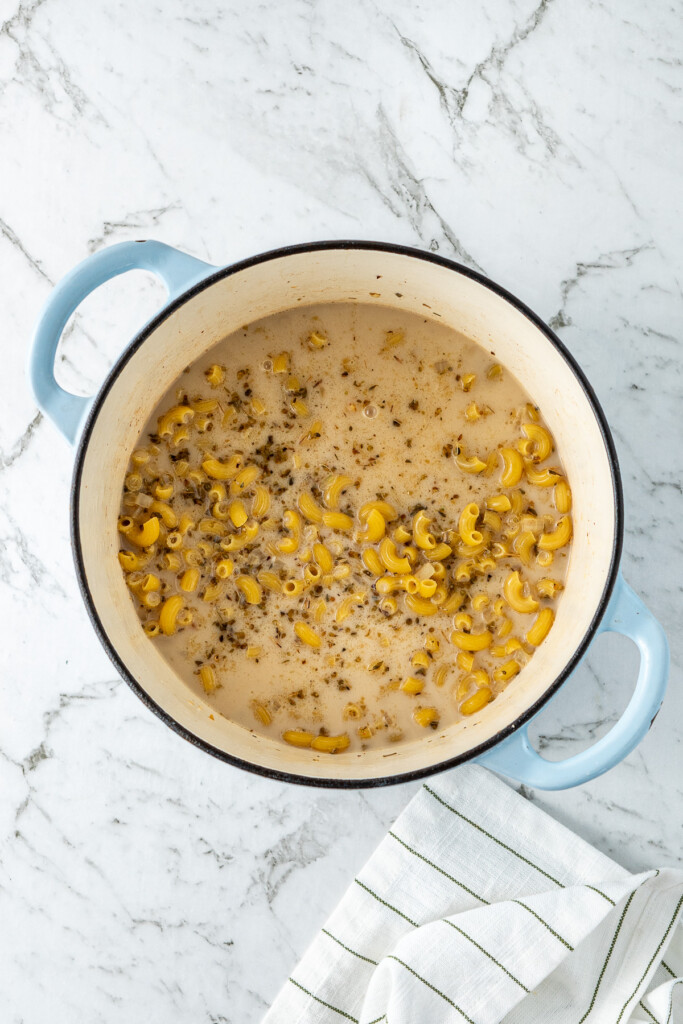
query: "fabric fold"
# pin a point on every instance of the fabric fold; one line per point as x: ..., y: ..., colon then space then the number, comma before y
x: 479, y: 907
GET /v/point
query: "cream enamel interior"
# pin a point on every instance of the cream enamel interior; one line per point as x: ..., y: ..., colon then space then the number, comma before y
x: 333, y: 275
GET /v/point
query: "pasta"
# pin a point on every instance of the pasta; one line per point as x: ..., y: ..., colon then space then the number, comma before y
x: 391, y: 559
x: 514, y: 590
x: 375, y: 527
x: 218, y: 470
x: 337, y: 521
x: 333, y: 488
x: 467, y: 525
x: 309, y: 508
x: 512, y: 467
x: 252, y: 591
x: 292, y: 523
x: 558, y: 537
x: 143, y: 534
x: 306, y: 634
x: 421, y: 535
x: 344, y: 532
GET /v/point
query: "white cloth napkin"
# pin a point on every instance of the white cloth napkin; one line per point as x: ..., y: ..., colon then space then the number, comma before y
x: 478, y: 908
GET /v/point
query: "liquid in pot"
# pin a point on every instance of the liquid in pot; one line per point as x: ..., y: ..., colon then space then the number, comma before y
x: 346, y: 526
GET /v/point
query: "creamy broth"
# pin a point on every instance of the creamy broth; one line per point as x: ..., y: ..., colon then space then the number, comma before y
x: 345, y: 525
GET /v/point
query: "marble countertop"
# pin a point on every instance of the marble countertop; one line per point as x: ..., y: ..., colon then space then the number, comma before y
x: 538, y: 142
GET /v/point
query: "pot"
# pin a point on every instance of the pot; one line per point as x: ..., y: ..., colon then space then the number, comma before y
x: 206, y: 303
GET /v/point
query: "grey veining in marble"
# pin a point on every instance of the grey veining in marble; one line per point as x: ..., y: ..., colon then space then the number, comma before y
x: 539, y: 142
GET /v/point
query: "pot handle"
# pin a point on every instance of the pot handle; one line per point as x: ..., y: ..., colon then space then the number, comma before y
x: 176, y: 269
x: 625, y: 614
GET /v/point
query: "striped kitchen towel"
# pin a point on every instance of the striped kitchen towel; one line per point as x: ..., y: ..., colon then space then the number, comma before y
x: 477, y: 907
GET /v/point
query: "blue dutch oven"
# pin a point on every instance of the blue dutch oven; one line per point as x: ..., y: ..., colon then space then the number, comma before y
x: 204, y: 305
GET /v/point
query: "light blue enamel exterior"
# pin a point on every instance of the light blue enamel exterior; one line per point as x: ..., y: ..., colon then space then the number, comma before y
x: 514, y: 756
x: 176, y: 269
x: 625, y: 614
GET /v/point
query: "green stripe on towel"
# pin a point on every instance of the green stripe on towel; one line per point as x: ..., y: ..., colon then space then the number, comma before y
x: 601, y: 893
x: 437, y: 868
x: 432, y: 987
x: 492, y: 958
x: 387, y: 905
x: 544, y: 923
x: 653, y: 957
x: 514, y: 852
x: 348, y: 950
x: 642, y: 1005
x: 342, y: 1013
x: 609, y: 954
x: 494, y: 838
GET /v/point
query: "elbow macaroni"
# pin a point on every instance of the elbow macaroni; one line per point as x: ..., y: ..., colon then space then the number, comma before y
x: 467, y: 526
x: 246, y: 532
x: 333, y: 488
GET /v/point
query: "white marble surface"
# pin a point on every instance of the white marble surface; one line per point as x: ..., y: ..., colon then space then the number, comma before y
x: 541, y: 143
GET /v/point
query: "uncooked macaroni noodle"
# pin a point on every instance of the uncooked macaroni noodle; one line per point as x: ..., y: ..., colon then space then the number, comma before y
x: 346, y: 526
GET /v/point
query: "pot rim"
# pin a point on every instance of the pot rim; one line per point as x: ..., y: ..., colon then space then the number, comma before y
x: 279, y: 253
